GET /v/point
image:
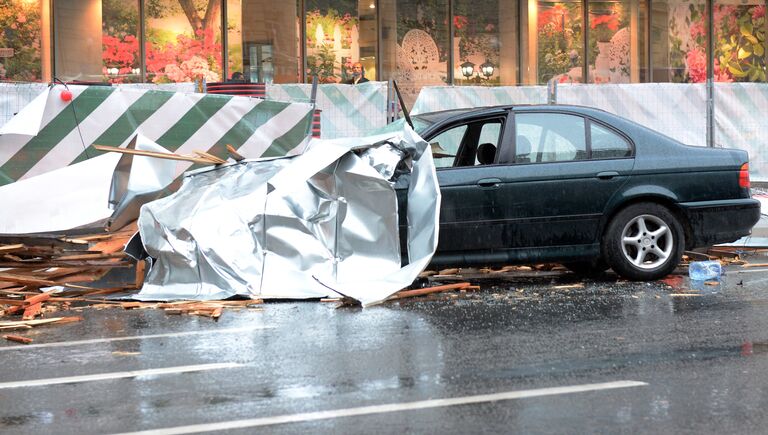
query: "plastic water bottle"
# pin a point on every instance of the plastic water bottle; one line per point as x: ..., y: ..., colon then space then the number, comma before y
x: 705, y: 270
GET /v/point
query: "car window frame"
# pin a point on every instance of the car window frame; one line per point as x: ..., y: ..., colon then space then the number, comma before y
x: 512, y: 138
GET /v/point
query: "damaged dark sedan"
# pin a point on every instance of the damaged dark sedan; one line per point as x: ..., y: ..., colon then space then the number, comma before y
x: 579, y: 186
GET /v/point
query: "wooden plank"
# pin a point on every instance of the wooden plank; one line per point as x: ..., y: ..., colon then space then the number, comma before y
x: 170, y: 156
x: 88, y: 275
x: 233, y: 152
x: 32, y: 311
x: 429, y: 290
x: 92, y: 256
x: 20, y: 279
x: 213, y: 159
x: 117, y: 241
x: 18, y: 339
x: 29, y: 301
x: 50, y: 264
x: 140, y: 272
x: 6, y: 248
x: 39, y: 322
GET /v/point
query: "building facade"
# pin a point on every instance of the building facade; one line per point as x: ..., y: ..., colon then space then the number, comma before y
x: 417, y: 42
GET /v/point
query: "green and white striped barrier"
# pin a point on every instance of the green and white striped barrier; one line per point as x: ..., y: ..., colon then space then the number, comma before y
x: 179, y: 122
x: 741, y: 121
x: 678, y: 110
x: 346, y: 110
x: 436, y: 98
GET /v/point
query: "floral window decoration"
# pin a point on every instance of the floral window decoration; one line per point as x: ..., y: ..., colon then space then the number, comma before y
x: 119, y: 41
x: 184, y: 41
x: 476, y: 37
x: 559, y: 27
x: 20, y: 40
x: 739, y: 42
x: 332, y: 44
x: 609, y: 43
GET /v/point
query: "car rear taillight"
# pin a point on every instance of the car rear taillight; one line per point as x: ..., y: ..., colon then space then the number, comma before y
x: 744, y: 176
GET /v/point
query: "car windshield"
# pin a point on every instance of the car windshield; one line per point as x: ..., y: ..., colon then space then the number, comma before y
x: 420, y: 125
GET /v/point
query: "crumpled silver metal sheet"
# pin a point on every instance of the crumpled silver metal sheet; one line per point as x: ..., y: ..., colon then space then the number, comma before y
x: 138, y: 180
x: 321, y: 224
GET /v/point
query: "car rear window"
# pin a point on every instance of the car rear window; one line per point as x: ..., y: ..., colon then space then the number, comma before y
x: 606, y: 144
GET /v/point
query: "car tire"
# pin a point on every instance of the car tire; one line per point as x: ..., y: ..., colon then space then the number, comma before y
x: 644, y: 242
x: 589, y: 269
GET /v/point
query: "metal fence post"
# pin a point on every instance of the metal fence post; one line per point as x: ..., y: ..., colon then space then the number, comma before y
x: 552, y: 91
x: 710, y: 74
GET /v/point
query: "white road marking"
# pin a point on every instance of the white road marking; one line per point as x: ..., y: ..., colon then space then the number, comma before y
x: 117, y: 375
x: 381, y: 409
x: 137, y: 337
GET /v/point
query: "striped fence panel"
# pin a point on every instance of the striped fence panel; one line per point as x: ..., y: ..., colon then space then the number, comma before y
x: 182, y: 123
x: 678, y: 110
x: 436, y: 98
x: 347, y: 110
x: 741, y: 121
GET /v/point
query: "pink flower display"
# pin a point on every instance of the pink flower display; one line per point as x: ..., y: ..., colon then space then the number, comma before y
x: 758, y: 12
x: 696, y: 63
x: 722, y: 75
x: 697, y: 29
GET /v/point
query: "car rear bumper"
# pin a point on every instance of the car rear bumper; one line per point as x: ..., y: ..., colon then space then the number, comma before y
x: 713, y: 222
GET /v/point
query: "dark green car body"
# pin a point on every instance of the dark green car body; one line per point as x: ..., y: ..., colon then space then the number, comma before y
x: 560, y: 174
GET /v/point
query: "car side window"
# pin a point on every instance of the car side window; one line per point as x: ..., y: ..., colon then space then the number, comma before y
x: 469, y: 144
x: 488, y: 143
x: 606, y: 144
x: 549, y: 137
x: 446, y: 145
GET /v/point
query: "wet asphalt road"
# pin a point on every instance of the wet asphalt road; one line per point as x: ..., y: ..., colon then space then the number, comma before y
x: 700, y: 364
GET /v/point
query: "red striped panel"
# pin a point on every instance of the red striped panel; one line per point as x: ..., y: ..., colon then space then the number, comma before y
x: 316, y: 123
x: 243, y: 89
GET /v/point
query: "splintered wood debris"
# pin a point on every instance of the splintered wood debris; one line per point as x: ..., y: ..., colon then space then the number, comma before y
x: 44, y: 274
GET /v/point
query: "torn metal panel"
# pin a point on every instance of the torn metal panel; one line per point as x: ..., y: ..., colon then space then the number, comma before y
x: 138, y: 180
x: 324, y: 223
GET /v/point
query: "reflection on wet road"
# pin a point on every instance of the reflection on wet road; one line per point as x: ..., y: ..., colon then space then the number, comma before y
x: 701, y: 350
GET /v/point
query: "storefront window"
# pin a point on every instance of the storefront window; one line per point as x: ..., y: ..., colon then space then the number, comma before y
x: 270, y: 50
x: 234, y: 39
x: 616, y: 50
x: 482, y: 31
x: 78, y: 44
x: 559, y: 41
x: 20, y: 40
x: 183, y: 40
x: 120, y: 41
x: 678, y: 41
x: 415, y: 44
x: 339, y: 34
x: 739, y: 44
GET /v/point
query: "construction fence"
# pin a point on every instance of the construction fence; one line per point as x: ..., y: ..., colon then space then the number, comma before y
x: 677, y: 110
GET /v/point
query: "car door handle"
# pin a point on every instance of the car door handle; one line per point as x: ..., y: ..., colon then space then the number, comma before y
x: 488, y: 182
x: 607, y: 175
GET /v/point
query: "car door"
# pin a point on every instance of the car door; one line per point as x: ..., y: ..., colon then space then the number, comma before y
x: 566, y: 169
x: 468, y: 184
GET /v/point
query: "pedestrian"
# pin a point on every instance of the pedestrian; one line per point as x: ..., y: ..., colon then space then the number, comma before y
x: 358, y: 74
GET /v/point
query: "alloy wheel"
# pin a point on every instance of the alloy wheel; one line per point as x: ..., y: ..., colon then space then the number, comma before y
x: 647, y: 241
